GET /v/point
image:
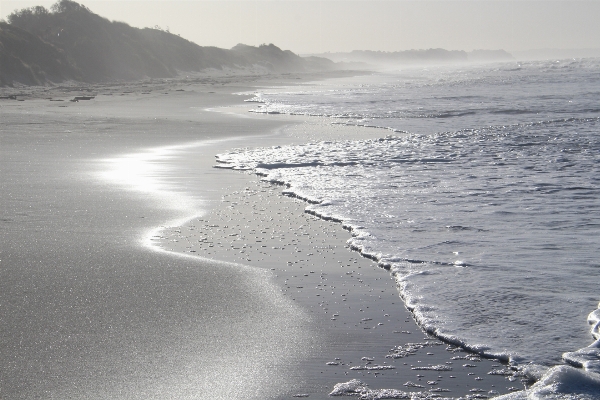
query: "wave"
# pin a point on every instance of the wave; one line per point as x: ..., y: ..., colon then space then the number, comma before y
x: 447, y: 99
x: 357, y: 184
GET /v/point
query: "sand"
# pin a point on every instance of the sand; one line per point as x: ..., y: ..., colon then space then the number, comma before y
x: 204, y: 283
x: 355, y: 304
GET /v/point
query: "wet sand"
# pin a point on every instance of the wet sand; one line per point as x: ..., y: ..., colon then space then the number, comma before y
x: 250, y: 298
x: 366, y: 331
x: 88, y: 312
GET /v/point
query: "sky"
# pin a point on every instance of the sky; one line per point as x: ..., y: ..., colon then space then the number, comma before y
x: 313, y: 26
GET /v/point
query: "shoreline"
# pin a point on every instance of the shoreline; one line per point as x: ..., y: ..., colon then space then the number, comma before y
x: 192, y: 241
x: 354, y: 336
x: 573, y: 361
x: 303, y: 253
x: 213, y: 79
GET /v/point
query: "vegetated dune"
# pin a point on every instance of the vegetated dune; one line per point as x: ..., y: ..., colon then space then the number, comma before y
x: 69, y: 42
x: 27, y: 59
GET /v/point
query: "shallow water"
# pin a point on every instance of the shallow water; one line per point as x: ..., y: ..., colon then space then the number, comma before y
x: 439, y: 99
x: 484, y: 204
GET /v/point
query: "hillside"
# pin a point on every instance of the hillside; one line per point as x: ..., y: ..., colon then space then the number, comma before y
x: 70, y: 42
x: 27, y: 59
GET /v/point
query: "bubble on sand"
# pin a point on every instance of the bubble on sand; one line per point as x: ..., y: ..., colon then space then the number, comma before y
x: 504, y: 371
x: 407, y: 349
x: 439, y: 367
x: 350, y: 388
x: 372, y: 367
x: 356, y: 387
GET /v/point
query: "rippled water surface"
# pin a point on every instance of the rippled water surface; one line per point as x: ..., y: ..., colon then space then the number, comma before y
x: 484, y: 201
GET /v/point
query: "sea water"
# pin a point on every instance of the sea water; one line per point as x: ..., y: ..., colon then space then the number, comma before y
x: 482, y: 198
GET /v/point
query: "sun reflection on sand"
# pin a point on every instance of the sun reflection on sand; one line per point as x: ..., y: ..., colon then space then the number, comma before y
x: 149, y: 172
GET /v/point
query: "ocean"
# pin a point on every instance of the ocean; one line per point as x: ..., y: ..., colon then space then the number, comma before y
x: 479, y: 192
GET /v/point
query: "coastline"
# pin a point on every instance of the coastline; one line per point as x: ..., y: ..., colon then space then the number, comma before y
x: 228, y: 229
x: 367, y: 332
x: 212, y: 78
x: 346, y: 337
x: 575, y: 365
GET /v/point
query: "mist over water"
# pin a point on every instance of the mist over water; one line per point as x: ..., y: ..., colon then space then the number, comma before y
x: 440, y: 98
x: 483, y: 203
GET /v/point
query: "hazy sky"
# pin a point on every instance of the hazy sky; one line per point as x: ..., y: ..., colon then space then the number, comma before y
x: 306, y: 26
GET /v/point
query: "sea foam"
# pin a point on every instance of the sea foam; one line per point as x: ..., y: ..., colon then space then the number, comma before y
x: 483, y: 207
x: 402, y: 204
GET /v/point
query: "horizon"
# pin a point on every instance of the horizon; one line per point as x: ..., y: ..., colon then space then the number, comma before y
x: 316, y: 27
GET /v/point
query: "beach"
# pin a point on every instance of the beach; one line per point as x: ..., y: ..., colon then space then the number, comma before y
x: 132, y: 268
x: 364, y: 330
